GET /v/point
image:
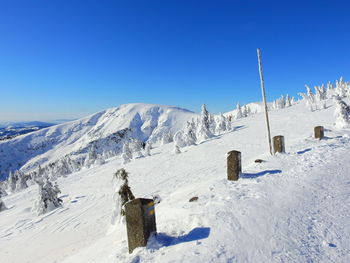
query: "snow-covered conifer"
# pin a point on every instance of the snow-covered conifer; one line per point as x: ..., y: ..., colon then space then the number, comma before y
x: 21, y: 182
x: 127, y: 154
x: 48, y: 199
x: 12, y: 182
x: 239, y: 113
x: 2, y: 191
x: 204, y: 132
x: 148, y: 148
x: 288, y: 101
x: 342, y: 113
x: 123, y: 194
x: 221, y: 124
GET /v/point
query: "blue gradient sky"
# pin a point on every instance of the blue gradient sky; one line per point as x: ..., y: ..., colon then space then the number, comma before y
x: 66, y: 59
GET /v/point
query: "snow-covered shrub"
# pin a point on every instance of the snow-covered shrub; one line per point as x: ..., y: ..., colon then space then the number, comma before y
x: 48, y: 197
x: 122, y: 195
x: 342, y: 113
x: 239, y: 113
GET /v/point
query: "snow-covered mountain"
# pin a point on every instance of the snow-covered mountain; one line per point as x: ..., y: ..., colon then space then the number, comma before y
x: 102, y: 132
x: 10, y: 130
x: 292, y: 207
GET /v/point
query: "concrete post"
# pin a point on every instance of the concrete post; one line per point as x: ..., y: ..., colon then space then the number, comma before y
x: 319, y: 132
x: 234, y: 165
x: 140, y: 222
x: 278, y: 144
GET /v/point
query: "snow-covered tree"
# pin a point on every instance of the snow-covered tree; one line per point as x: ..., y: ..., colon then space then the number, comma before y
x: 127, y: 154
x: 340, y: 88
x: 203, y: 131
x: 148, y: 148
x: 342, y: 113
x: 12, y: 182
x: 309, y: 97
x: 48, y: 199
x: 21, y: 182
x: 221, y: 124
x: 136, y: 147
x: 2, y: 191
x: 239, y: 113
x: 123, y: 194
x: 167, y: 137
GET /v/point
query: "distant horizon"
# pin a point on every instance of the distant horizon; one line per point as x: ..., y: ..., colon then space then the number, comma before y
x: 69, y: 59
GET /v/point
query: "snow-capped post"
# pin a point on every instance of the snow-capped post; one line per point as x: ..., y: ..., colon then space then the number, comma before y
x: 319, y: 132
x: 234, y: 165
x: 140, y: 222
x: 278, y: 144
x: 264, y: 100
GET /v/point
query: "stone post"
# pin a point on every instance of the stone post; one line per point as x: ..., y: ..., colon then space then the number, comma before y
x: 234, y: 165
x: 140, y: 222
x: 319, y: 132
x: 278, y: 144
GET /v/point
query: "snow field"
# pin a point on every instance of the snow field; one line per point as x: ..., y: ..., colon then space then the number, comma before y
x: 293, y: 207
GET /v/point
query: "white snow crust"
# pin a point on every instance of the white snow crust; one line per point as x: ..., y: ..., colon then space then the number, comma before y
x: 293, y: 207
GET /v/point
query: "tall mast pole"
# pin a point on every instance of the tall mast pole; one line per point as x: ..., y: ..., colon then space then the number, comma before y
x: 264, y: 100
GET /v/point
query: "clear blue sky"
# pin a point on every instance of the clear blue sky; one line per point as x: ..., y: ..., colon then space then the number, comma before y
x: 69, y: 58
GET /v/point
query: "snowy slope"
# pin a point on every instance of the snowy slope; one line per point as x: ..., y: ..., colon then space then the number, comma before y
x: 144, y: 122
x: 293, y: 207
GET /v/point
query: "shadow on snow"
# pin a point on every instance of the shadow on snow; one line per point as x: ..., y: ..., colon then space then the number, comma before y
x: 255, y: 175
x: 164, y: 240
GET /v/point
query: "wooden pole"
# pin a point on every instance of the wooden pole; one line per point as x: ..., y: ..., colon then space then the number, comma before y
x: 264, y: 100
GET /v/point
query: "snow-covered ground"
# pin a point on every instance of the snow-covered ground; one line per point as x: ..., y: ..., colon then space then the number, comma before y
x: 293, y: 207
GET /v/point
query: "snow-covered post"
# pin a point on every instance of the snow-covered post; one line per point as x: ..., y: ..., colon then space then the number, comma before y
x: 319, y: 132
x: 234, y: 165
x: 140, y: 222
x: 264, y: 99
x: 278, y: 144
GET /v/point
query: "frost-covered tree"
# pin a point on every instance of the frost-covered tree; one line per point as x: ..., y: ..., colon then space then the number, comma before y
x: 148, y: 148
x: 288, y: 101
x: 167, y: 137
x: 123, y: 194
x: 127, y: 154
x: 22, y: 181
x: 340, y: 88
x: 320, y: 97
x: 239, y: 113
x: 342, y: 113
x: 203, y: 131
x: 2, y: 191
x: 309, y: 97
x: 48, y: 199
x: 12, y: 182
x: 221, y: 124
x: 136, y: 147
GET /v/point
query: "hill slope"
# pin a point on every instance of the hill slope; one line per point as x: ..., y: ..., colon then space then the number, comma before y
x: 293, y: 207
x: 103, y: 131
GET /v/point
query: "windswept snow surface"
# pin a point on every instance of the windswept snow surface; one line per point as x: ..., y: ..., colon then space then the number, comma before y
x: 293, y: 207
